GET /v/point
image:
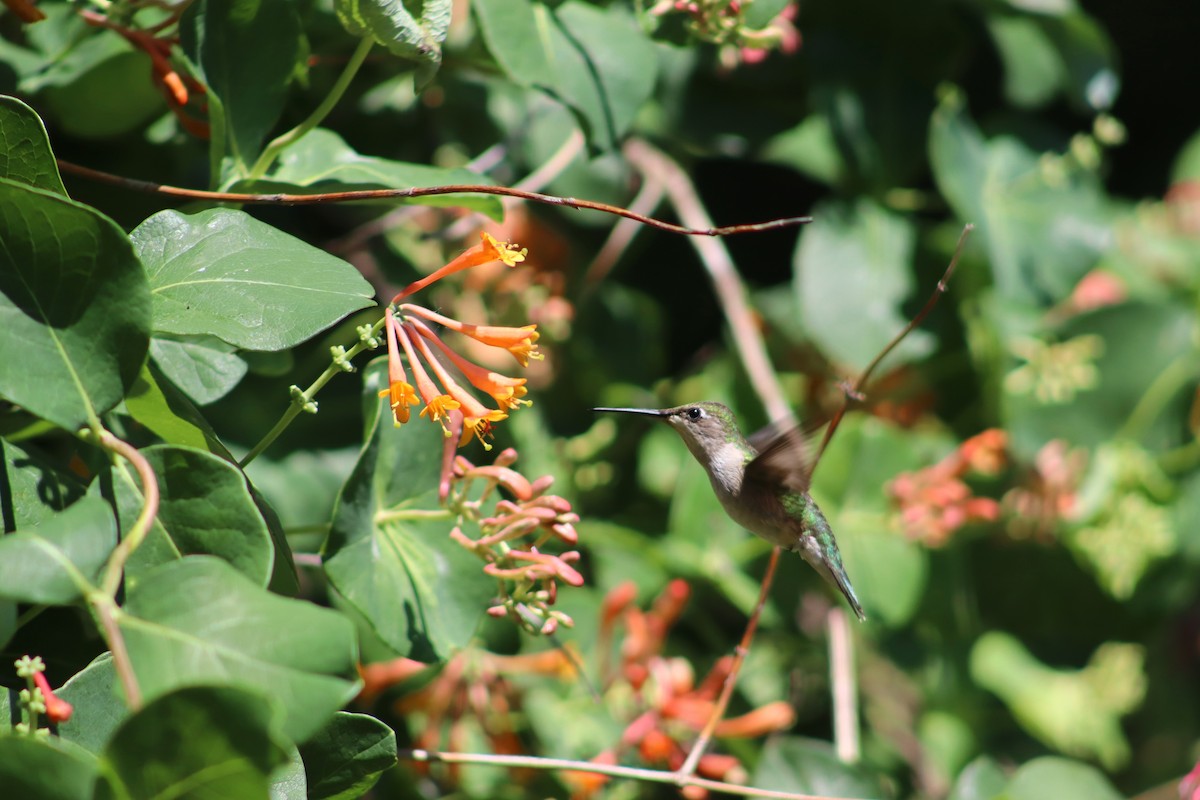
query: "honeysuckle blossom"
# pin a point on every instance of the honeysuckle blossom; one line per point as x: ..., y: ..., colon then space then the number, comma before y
x: 410, y: 337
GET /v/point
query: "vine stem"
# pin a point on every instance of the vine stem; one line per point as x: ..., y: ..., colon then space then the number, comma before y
x: 323, y: 198
x: 739, y: 656
x: 614, y: 770
x: 301, y: 400
x: 860, y: 385
x: 141, y: 526
x: 285, y: 140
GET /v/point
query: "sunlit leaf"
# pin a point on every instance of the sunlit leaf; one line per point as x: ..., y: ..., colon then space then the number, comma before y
x: 223, y: 273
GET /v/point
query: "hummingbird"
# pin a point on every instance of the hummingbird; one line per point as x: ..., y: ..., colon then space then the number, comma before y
x: 762, y: 483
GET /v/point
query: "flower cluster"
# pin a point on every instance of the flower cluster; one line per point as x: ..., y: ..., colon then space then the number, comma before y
x: 1055, y: 373
x: 470, y: 695
x: 1047, y: 493
x: 447, y: 402
x: 723, y: 22
x: 669, y: 707
x: 513, y: 537
x: 935, y: 502
x: 38, y: 698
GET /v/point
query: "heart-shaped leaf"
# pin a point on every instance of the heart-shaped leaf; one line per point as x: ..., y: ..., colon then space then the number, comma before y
x: 55, y: 562
x: 223, y: 273
x: 423, y: 594
x: 74, y: 307
x: 203, y: 741
x: 199, y: 621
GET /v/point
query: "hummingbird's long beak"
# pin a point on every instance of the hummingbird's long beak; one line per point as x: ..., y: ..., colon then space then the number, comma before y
x: 649, y: 412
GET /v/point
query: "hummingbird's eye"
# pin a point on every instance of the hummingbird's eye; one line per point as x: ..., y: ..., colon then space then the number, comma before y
x: 695, y: 413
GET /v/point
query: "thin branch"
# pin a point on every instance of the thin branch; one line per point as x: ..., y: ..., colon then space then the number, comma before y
x: 716, y: 259
x: 844, y: 687
x: 554, y: 166
x: 614, y: 770
x: 324, y: 198
x: 739, y: 656
x: 106, y: 611
x: 621, y: 235
x: 857, y: 391
x: 141, y: 526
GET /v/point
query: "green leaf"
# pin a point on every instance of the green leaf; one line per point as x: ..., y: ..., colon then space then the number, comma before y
x: 205, y: 508
x: 25, y: 155
x: 391, y: 23
x: 323, y: 162
x: 204, y: 368
x: 604, y: 68
x: 510, y: 29
x: 74, y: 307
x: 47, y: 769
x: 1052, y: 778
x: 1077, y: 712
x: 290, y: 783
x: 1042, y: 229
x: 54, y: 562
x: 31, y: 490
x: 851, y: 273
x: 99, y: 707
x: 347, y: 756
x: 982, y: 779
x: 223, y: 273
x: 247, y: 51
x: 148, y: 405
x: 199, y: 621
x: 793, y: 764
x: 422, y: 594
x: 1032, y: 70
x: 197, y: 742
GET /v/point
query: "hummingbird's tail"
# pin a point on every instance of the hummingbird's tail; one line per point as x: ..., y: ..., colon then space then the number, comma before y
x: 821, y: 551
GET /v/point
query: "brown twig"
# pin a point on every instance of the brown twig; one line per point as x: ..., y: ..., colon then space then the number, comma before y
x: 324, y: 198
x: 856, y: 392
x: 739, y: 655
x: 844, y: 688
x: 716, y: 259
x: 615, y: 770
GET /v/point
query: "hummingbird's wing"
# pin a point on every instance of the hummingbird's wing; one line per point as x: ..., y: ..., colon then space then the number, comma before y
x: 785, y: 456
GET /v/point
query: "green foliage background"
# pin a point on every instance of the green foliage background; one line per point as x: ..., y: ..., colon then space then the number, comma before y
x: 1049, y: 655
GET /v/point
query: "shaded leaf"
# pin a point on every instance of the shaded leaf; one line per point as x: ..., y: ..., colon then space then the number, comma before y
x: 1052, y: 778
x: 204, y: 368
x: 74, y: 307
x: 148, y: 405
x: 199, y: 621
x: 422, y: 594
x: 223, y: 273
x: 98, y: 703
x: 55, y: 561
x: 197, y: 742
x: 346, y: 757
x: 604, y: 68
x: 25, y: 155
x: 47, y: 769
x: 792, y: 764
x: 247, y: 52
x: 982, y: 779
x: 205, y: 508
x: 1041, y: 229
x: 851, y: 274
x: 31, y: 490
x: 510, y: 29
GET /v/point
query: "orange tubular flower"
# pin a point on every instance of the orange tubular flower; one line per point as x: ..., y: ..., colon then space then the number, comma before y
x: 506, y: 391
x: 489, y: 249
x: 521, y: 342
x: 477, y: 418
x: 437, y: 405
x: 400, y: 392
